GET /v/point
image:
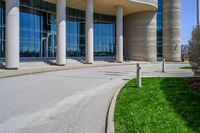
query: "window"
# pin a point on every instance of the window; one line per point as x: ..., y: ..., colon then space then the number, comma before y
x: 2, y: 29
x: 159, y: 30
x: 38, y: 31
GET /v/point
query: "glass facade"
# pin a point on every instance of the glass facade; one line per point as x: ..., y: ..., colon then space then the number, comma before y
x: 2, y: 29
x: 104, y: 34
x: 38, y: 31
x: 159, y: 30
x: 75, y: 33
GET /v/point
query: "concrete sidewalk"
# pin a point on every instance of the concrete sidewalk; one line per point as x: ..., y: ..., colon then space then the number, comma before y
x: 68, y: 101
x: 33, y: 67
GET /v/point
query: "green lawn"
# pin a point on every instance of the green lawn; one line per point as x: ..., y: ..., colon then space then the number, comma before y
x: 163, y: 105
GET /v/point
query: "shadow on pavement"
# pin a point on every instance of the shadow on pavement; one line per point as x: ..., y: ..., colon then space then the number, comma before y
x: 112, y: 73
x: 79, y: 77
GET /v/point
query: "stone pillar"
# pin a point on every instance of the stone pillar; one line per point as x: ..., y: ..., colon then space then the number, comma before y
x: 119, y: 37
x: 171, y: 30
x: 89, y: 32
x: 61, y: 32
x: 12, y: 34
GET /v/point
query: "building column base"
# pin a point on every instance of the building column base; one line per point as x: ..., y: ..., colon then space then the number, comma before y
x: 89, y: 63
x: 120, y: 62
x: 15, y: 68
x: 61, y: 64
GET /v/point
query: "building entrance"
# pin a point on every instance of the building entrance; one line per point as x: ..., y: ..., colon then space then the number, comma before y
x: 48, y: 46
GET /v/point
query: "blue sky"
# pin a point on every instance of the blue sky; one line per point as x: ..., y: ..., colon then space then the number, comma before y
x: 188, y: 19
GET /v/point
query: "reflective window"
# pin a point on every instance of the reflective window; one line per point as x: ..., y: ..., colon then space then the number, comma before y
x: 38, y: 31
x: 75, y: 33
x: 2, y: 29
x: 159, y: 30
x: 104, y: 35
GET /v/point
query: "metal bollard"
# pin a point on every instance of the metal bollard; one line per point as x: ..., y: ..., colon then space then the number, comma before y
x: 163, y: 65
x: 139, y: 79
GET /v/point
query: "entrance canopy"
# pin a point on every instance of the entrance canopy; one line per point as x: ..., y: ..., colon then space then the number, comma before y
x: 109, y: 6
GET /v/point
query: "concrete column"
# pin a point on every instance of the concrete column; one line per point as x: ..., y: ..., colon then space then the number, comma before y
x: 140, y: 36
x: 89, y: 32
x: 61, y: 32
x: 119, y: 37
x: 171, y: 30
x: 12, y: 34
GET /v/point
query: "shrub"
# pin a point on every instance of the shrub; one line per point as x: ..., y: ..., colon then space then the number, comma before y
x: 194, y: 51
x: 195, y: 83
x: 184, y: 52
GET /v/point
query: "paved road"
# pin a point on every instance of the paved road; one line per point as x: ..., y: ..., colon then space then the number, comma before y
x: 71, y: 101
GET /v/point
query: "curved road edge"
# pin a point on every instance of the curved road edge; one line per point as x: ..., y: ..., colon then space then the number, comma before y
x: 110, y: 125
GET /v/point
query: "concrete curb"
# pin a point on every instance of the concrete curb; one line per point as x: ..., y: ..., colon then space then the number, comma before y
x: 110, y: 125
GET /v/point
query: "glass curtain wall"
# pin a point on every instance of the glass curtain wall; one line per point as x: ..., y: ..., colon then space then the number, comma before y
x: 104, y: 34
x: 38, y: 31
x: 75, y: 33
x: 37, y: 28
x: 159, y: 30
x: 2, y: 29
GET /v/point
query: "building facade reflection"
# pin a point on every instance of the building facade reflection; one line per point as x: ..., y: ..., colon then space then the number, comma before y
x: 38, y: 31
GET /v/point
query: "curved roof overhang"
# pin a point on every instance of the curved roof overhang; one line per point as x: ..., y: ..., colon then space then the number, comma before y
x: 109, y: 6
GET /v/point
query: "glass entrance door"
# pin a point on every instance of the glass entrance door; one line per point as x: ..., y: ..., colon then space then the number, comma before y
x: 48, y: 44
x: 43, y: 47
x: 51, y: 45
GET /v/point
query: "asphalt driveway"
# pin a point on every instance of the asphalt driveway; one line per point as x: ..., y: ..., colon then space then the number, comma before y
x: 70, y: 101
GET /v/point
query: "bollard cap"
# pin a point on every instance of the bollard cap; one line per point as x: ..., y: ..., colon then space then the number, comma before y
x: 163, y: 59
x: 138, y: 66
